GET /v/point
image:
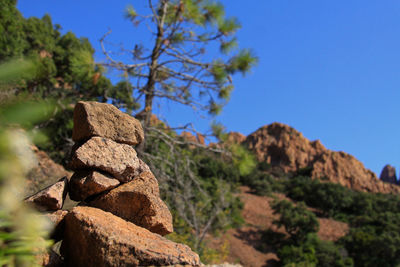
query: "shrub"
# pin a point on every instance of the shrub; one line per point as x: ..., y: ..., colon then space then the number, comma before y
x: 297, y: 220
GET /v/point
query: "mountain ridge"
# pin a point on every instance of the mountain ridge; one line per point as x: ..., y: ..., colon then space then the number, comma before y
x: 284, y: 147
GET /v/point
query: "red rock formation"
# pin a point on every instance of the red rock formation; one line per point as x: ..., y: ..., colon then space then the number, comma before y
x: 388, y: 174
x: 284, y: 147
x: 236, y: 138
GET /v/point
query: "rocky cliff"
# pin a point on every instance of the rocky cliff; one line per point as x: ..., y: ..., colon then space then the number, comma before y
x: 284, y: 147
x: 388, y: 174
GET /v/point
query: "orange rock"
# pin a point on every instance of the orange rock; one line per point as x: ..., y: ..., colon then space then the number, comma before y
x: 51, y: 198
x: 189, y: 137
x: 235, y: 138
x: 57, y: 219
x: 84, y: 184
x: 49, y: 259
x: 105, y: 120
x: 97, y: 238
x: 284, y: 147
x: 120, y: 160
x: 388, y: 174
x: 139, y: 202
x: 45, y: 173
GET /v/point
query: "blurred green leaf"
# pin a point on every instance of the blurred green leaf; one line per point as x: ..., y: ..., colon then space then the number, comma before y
x: 25, y: 114
x: 16, y: 70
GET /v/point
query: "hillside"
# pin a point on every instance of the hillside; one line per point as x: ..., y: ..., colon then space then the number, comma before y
x: 247, y: 245
x: 284, y: 147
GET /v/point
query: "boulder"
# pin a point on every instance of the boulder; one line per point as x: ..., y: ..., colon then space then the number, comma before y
x: 97, y: 238
x: 120, y: 160
x: 57, y: 220
x: 388, y: 174
x: 105, y: 120
x: 51, y: 198
x: 86, y: 183
x: 139, y: 202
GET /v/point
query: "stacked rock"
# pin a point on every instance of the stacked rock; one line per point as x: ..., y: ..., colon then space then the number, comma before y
x: 121, y: 216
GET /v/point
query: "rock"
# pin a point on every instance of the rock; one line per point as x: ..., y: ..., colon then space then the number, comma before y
x: 154, y: 120
x: 287, y: 149
x: 46, y: 172
x: 57, y: 219
x: 388, y: 174
x: 86, y: 183
x: 189, y: 137
x: 200, y: 139
x: 139, y: 202
x: 97, y: 238
x: 49, y: 259
x: 50, y: 198
x: 105, y: 120
x: 143, y: 167
x: 120, y: 160
x: 235, y: 138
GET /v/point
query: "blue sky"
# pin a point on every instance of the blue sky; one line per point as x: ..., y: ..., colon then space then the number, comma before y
x: 330, y: 69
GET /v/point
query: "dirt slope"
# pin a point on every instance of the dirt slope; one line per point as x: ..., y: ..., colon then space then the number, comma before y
x: 245, y: 244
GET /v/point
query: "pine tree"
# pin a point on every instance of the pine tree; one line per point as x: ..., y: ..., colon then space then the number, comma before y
x: 177, y: 64
x: 12, y: 36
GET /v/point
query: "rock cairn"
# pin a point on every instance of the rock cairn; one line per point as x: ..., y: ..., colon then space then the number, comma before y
x: 121, y: 218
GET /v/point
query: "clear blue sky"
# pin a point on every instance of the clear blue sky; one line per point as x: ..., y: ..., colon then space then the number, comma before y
x: 330, y: 69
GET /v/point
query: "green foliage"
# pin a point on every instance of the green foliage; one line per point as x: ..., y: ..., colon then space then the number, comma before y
x: 193, y: 72
x: 261, y: 181
x: 198, y: 185
x: 13, y: 72
x: 12, y: 36
x: 22, y: 231
x: 297, y: 220
x: 374, y: 238
x: 340, y: 202
x: 61, y: 67
x: 314, y: 252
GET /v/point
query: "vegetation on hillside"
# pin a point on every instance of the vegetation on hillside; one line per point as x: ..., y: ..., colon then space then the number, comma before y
x: 373, y: 238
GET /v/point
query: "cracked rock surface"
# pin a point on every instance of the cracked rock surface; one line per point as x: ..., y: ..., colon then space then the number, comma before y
x: 139, y: 202
x: 97, y: 238
x: 120, y: 160
x: 105, y: 120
